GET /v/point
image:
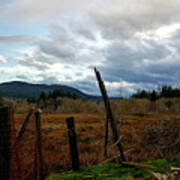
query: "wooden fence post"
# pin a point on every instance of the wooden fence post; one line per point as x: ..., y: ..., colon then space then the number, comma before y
x: 38, y: 149
x: 23, y: 128
x: 110, y: 116
x: 15, y: 165
x: 106, y: 136
x: 73, y: 143
x: 5, y: 143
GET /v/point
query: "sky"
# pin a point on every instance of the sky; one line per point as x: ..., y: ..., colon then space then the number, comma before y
x: 135, y: 44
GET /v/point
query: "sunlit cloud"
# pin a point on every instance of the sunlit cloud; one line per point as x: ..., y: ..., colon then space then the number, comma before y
x: 3, y: 59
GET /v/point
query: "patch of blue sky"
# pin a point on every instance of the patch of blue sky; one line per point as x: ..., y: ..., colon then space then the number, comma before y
x: 3, y: 2
x: 9, y: 49
x: 13, y: 50
x: 7, y: 52
x: 11, y: 29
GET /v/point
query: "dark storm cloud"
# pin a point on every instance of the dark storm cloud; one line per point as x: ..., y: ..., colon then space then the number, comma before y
x: 87, y: 85
x: 126, y: 55
x: 136, y: 76
x: 135, y: 63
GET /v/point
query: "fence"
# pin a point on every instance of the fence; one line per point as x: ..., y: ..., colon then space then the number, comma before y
x: 9, y: 142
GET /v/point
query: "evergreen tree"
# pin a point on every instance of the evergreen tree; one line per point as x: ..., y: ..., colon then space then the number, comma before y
x: 57, y: 93
x: 43, y: 96
x: 141, y: 94
x: 153, y: 96
x: 31, y: 100
x: 163, y: 92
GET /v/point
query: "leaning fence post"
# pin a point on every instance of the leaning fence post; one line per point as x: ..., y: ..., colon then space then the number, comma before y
x: 23, y: 128
x: 110, y: 116
x: 5, y: 143
x: 73, y: 143
x: 106, y: 136
x: 39, y: 146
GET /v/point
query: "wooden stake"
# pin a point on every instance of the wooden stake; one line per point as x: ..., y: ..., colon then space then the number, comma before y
x: 73, y: 143
x: 106, y: 137
x: 109, y: 113
x: 23, y: 128
x: 39, y: 146
x: 5, y: 143
x: 15, y: 166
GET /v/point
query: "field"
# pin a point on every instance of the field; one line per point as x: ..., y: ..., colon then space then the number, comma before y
x: 148, y: 131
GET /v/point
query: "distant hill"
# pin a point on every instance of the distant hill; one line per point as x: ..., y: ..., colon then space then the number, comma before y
x: 22, y: 90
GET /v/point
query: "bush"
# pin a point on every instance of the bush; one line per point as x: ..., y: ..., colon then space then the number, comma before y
x: 163, y: 138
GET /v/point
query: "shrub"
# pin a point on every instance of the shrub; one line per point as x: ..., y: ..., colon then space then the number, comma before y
x: 163, y: 138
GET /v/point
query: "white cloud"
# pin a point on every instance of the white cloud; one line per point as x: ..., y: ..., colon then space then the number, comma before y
x: 134, y: 43
x: 18, y: 72
x: 122, y: 19
x: 36, y: 11
x: 3, y: 59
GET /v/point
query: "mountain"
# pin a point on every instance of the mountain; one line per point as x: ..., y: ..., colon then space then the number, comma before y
x: 22, y: 90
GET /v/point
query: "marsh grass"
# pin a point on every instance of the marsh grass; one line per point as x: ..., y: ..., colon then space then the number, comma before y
x: 139, y: 107
x: 137, y: 124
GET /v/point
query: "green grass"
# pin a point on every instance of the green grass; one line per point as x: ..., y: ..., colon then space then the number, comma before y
x: 117, y: 172
x: 107, y: 171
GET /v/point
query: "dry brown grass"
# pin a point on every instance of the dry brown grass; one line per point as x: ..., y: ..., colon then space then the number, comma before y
x: 138, y: 121
x: 137, y: 138
x: 120, y: 107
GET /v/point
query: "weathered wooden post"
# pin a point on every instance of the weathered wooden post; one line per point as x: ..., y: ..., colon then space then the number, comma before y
x: 16, y: 167
x: 5, y: 143
x: 110, y: 116
x: 73, y: 143
x: 38, y: 150
x: 23, y: 128
x: 106, y: 137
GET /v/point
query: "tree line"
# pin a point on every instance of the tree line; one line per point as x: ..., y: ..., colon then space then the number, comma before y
x: 51, y: 98
x: 51, y: 95
x: 163, y: 92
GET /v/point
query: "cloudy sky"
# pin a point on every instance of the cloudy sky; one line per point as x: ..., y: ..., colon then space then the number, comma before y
x: 134, y: 43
